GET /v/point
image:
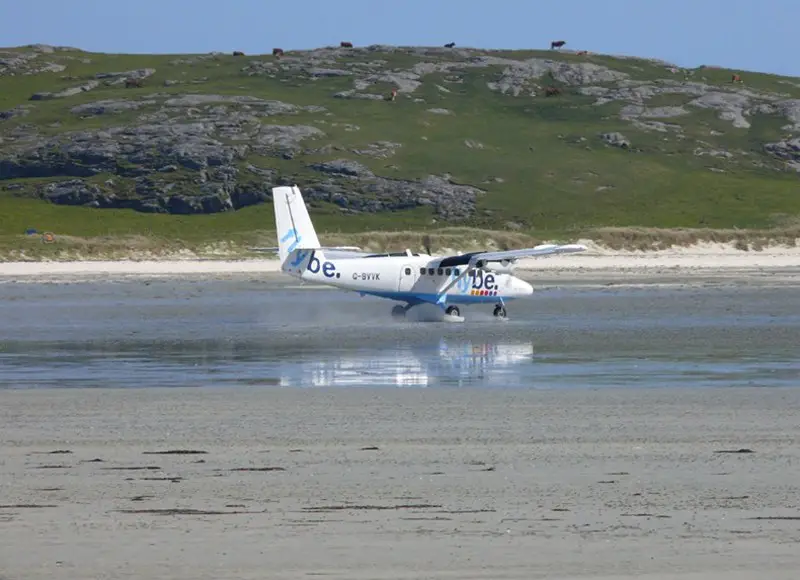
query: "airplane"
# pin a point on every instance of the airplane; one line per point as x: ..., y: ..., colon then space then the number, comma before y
x: 484, y: 277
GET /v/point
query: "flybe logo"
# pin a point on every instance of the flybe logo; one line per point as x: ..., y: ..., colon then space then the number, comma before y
x: 328, y: 269
x: 292, y: 233
x: 314, y: 266
x: 478, y: 284
x: 298, y: 259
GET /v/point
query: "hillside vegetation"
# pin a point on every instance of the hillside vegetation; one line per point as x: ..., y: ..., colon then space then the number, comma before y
x: 117, y: 154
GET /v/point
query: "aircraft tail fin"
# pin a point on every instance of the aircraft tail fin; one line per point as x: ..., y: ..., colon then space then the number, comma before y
x: 292, y: 222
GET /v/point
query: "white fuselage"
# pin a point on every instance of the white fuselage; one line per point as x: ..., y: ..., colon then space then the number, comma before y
x: 407, y: 278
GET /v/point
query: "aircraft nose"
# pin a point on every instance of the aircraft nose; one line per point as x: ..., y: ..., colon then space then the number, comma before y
x: 522, y: 288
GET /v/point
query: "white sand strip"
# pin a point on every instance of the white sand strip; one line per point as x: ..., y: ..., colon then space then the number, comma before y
x: 400, y: 484
x: 700, y: 258
x: 704, y: 256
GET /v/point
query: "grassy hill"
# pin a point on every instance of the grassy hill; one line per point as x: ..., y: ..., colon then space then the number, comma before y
x: 473, y: 149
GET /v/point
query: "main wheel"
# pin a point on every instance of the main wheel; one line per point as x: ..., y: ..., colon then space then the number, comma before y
x: 453, y: 311
x: 500, y: 311
x: 398, y: 312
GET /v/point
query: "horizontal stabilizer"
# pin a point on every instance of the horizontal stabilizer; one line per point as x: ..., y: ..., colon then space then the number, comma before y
x: 276, y: 249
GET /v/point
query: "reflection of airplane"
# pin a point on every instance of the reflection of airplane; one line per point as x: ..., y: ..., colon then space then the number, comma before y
x: 446, y: 281
x: 446, y: 362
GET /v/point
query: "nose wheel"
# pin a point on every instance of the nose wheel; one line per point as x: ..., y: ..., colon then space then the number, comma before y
x: 499, y: 311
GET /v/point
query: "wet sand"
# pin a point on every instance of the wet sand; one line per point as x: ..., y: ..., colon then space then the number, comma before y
x: 400, y: 483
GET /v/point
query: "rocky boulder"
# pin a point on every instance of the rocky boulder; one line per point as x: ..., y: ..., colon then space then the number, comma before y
x: 788, y: 149
x: 356, y: 189
x: 616, y: 140
x: 343, y: 167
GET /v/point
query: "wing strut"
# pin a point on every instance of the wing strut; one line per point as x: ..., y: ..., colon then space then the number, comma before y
x: 467, y: 271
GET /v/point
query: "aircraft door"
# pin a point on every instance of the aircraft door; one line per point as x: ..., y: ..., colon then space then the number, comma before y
x: 408, y: 277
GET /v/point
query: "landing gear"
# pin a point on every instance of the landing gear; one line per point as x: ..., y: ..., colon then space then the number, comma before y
x: 500, y: 311
x: 452, y: 314
x: 399, y: 312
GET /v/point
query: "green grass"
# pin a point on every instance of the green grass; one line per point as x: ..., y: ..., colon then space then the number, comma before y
x: 558, y: 178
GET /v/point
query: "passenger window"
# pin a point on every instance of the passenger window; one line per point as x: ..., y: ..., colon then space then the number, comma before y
x: 422, y: 271
x: 455, y: 271
x: 408, y: 271
x: 430, y: 271
x: 441, y: 271
x: 447, y: 271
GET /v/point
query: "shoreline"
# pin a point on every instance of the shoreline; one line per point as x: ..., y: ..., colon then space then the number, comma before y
x: 596, y: 264
x: 698, y: 263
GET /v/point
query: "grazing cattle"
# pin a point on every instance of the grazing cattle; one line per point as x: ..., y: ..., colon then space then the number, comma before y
x: 557, y: 44
x: 345, y: 44
x: 394, y: 95
x: 582, y: 52
x: 133, y: 82
x: 736, y: 78
x: 450, y: 45
x: 277, y: 52
x: 551, y: 91
x: 238, y: 53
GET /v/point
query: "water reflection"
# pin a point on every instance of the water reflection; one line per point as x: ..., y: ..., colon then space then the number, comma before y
x: 447, y: 362
x: 138, y: 363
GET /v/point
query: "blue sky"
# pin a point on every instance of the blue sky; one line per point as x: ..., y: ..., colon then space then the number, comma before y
x: 742, y: 34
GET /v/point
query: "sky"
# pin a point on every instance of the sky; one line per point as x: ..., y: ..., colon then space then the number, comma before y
x: 747, y: 35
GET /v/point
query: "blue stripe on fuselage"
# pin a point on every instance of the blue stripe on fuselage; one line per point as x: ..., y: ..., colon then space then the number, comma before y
x: 431, y: 298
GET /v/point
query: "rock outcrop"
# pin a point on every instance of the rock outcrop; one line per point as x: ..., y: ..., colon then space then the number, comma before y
x: 184, y: 138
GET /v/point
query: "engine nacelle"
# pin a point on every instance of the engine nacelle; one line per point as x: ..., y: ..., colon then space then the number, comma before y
x: 501, y: 267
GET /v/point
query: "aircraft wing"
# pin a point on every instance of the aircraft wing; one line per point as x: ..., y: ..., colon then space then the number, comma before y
x: 543, y: 250
x: 472, y: 259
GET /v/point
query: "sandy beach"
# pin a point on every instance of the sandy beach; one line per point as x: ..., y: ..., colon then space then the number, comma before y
x: 399, y: 483
x: 700, y: 260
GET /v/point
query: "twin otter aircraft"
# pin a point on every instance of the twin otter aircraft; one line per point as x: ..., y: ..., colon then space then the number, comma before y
x: 412, y: 278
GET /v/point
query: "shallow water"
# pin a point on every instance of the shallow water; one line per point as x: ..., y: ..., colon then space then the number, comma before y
x: 197, y: 333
